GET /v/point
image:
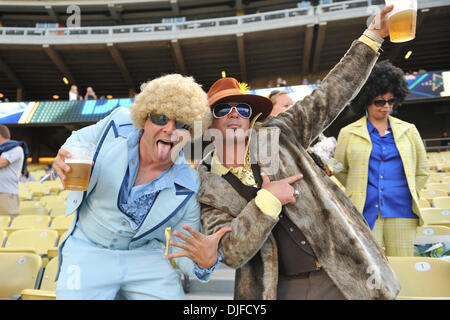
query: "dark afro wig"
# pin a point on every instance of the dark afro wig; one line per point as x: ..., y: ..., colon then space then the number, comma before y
x: 384, y: 78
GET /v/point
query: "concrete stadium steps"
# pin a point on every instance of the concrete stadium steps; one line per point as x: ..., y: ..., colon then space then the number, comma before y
x: 220, y: 287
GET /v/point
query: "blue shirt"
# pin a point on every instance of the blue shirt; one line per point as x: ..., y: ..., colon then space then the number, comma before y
x: 387, y: 187
x: 136, y: 201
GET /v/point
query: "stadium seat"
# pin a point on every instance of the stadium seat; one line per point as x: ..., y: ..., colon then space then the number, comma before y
x: 57, y: 211
x: 32, y: 207
x: 37, y: 240
x: 37, y: 189
x: 424, y: 203
x: 18, y: 271
x: 24, y: 192
x: 432, y: 234
x: 443, y: 166
x: 53, y: 251
x: 439, y: 186
x: 63, y: 194
x: 434, y: 179
x: 422, y: 277
x: 437, y: 177
x: 61, y: 224
x: 429, y: 230
x: 29, y: 222
x: 47, y: 289
x: 45, y: 200
x: 55, y: 186
x: 442, y: 202
x: 38, y: 174
x: 435, y: 216
x: 56, y: 205
x: 431, y: 194
x: 4, y: 221
x: 2, y: 237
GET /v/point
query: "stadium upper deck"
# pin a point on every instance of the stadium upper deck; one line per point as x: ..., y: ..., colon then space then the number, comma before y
x: 292, y: 43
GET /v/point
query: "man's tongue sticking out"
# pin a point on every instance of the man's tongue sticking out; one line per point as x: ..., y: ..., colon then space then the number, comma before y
x: 163, y: 150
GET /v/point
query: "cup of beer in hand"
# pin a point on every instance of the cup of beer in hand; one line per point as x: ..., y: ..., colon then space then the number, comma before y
x: 402, y: 20
x: 80, y: 165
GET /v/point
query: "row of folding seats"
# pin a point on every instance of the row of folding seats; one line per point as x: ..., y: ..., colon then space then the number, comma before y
x: 59, y: 223
x: 35, y: 189
x: 436, y: 202
x: 39, y: 241
x: 24, y: 276
x: 53, y: 208
x: 439, y: 161
x: 439, y: 177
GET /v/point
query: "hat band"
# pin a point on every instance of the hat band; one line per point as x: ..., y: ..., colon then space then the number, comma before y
x: 223, y: 94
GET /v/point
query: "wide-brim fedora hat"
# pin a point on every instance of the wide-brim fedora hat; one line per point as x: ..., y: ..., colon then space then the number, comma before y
x: 229, y: 90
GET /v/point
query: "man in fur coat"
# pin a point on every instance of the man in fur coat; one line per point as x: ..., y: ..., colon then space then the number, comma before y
x: 295, y: 235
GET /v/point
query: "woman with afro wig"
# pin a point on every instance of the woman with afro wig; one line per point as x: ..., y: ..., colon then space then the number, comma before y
x: 384, y: 160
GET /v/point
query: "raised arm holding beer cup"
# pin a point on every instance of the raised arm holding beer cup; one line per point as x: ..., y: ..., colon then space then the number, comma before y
x: 308, y: 241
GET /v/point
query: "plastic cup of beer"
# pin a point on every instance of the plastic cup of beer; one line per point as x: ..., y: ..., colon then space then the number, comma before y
x: 80, y: 165
x: 402, y: 20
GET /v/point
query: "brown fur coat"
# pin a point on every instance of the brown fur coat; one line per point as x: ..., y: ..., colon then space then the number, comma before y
x: 336, y: 231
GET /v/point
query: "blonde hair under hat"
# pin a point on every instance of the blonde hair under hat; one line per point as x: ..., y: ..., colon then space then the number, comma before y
x: 177, y: 97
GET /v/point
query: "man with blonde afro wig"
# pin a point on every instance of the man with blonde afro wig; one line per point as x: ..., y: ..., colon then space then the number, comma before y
x: 141, y: 192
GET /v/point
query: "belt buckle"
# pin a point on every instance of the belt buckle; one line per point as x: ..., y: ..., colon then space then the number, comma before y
x: 318, y: 265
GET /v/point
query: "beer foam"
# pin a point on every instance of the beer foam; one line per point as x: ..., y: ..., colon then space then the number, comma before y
x: 82, y: 161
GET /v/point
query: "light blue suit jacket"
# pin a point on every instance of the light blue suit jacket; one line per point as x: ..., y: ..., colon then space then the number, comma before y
x: 172, y: 208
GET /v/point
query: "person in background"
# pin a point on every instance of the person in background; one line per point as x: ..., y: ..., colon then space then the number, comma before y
x: 281, y: 82
x: 90, y: 94
x: 13, y: 162
x: 74, y: 95
x: 50, y: 174
x: 445, y: 142
x: 384, y: 161
x: 27, y: 177
x: 281, y: 101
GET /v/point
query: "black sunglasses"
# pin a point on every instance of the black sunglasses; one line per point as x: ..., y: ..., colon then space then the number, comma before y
x: 380, y: 103
x: 162, y: 120
x: 223, y: 109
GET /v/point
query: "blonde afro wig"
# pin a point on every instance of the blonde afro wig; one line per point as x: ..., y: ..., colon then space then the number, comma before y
x: 175, y: 96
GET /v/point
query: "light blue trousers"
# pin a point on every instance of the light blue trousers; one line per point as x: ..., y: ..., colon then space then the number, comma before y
x: 90, y: 272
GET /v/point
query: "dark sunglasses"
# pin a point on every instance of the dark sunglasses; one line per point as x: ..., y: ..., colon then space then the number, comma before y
x: 380, y: 103
x: 162, y: 120
x: 223, y: 109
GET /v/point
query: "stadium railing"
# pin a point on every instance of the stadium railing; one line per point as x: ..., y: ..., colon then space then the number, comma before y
x: 200, y: 28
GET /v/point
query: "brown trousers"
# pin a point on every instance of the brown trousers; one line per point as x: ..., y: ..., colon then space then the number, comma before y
x: 9, y: 204
x: 315, y: 285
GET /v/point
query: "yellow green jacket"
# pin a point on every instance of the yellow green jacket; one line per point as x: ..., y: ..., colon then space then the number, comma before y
x: 353, y: 151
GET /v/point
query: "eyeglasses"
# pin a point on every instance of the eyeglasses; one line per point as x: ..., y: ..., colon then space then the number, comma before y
x: 380, y: 103
x: 162, y: 120
x: 223, y: 109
